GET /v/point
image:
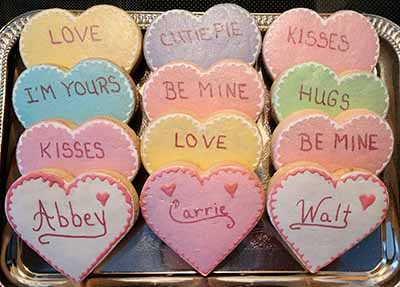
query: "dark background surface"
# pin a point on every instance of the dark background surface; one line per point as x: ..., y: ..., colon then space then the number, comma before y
x: 389, y: 8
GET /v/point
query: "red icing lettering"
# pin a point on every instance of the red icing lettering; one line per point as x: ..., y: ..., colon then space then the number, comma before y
x: 66, y: 150
x: 194, y: 215
x: 64, y: 222
x: 347, y: 142
x: 192, y: 36
x: 317, y: 216
x: 322, y: 40
x: 307, y: 145
x: 323, y: 97
x: 192, y: 141
x: 74, y: 34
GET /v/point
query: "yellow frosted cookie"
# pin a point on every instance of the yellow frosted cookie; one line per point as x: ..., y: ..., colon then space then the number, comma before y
x: 57, y: 36
x: 224, y: 137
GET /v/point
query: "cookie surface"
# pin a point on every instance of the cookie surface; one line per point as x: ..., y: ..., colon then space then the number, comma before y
x: 312, y: 208
x: 345, y: 41
x: 179, y: 205
x: 100, y: 143
x: 223, y: 138
x: 92, y: 88
x: 315, y: 86
x: 57, y: 215
x: 225, y: 31
x: 58, y: 37
x: 355, y: 139
x: 184, y: 87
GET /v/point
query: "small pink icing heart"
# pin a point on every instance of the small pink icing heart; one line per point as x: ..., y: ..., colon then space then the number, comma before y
x: 73, y: 224
x: 202, y: 205
x: 185, y: 87
x: 96, y: 144
x: 319, y: 215
x: 354, y: 139
x: 103, y: 197
x: 345, y: 41
x: 367, y: 200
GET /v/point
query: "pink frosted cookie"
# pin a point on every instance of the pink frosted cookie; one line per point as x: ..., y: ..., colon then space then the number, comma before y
x: 73, y: 223
x: 320, y: 216
x: 344, y: 41
x: 101, y: 143
x: 202, y: 217
x: 185, y: 87
x: 225, y: 31
x: 354, y: 139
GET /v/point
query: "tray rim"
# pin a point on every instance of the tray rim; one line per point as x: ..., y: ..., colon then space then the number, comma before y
x: 383, y: 274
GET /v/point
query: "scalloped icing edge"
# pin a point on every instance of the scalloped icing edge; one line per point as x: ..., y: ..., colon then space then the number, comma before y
x: 121, y: 13
x: 147, y: 51
x: 332, y: 179
x: 248, y: 69
x: 74, y: 130
x: 199, y: 125
x: 50, y: 179
x: 202, y: 177
x: 323, y: 21
x: 340, y: 79
x: 337, y: 122
x: 128, y: 83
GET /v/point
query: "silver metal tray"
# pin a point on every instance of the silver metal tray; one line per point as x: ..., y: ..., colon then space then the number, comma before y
x: 141, y: 259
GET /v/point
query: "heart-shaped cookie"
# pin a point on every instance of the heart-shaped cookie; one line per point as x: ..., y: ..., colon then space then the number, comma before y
x: 58, y: 37
x: 225, y: 31
x: 223, y: 138
x: 314, y: 86
x: 92, y: 88
x: 181, y: 207
x: 345, y: 41
x: 100, y: 143
x: 320, y: 216
x: 354, y: 139
x: 184, y: 87
x: 73, y: 223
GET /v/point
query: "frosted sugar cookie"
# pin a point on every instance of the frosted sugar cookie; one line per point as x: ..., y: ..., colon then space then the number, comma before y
x: 86, y: 216
x: 225, y: 31
x: 59, y: 37
x: 185, y: 87
x: 312, y: 208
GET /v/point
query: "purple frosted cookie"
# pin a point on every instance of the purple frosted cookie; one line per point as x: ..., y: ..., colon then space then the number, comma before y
x: 224, y: 31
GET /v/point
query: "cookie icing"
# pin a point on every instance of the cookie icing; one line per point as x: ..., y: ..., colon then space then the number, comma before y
x: 99, y: 143
x: 185, y: 87
x: 355, y: 139
x: 90, y: 213
x: 310, y: 207
x: 315, y: 86
x: 225, y: 31
x: 56, y: 36
x: 93, y: 87
x: 222, y: 138
x: 345, y: 41
x: 179, y: 204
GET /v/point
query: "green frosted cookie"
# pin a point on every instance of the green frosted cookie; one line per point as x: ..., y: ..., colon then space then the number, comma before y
x: 315, y: 86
